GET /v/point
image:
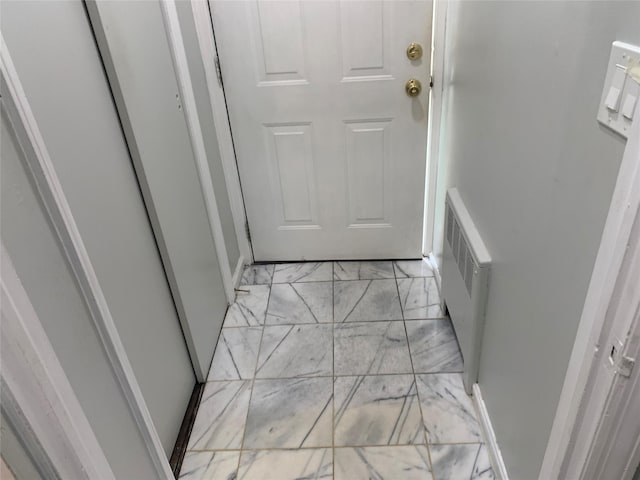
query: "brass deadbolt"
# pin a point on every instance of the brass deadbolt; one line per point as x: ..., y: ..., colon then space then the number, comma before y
x: 413, y: 87
x: 414, y: 51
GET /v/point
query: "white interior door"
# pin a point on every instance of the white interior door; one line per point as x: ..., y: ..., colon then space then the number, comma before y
x: 331, y: 149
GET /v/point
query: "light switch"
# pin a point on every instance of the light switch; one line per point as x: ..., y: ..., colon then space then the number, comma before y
x: 621, y: 91
x: 612, y: 102
x: 613, y: 99
x: 628, y: 106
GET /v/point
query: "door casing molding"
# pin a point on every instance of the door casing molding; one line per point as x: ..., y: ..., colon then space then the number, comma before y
x: 37, y: 398
x: 208, y: 50
x: 49, y: 189
x: 601, y: 296
x: 605, y: 437
x: 190, y: 108
x: 435, y: 121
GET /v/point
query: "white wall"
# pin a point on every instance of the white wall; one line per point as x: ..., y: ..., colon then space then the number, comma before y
x: 58, y: 63
x: 536, y: 171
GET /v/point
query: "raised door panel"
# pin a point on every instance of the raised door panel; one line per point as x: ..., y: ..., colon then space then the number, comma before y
x: 278, y: 42
x: 368, y: 173
x: 292, y: 174
x: 365, y: 40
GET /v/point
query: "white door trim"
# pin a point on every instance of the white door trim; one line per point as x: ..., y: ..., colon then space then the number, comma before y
x: 206, y: 41
x: 37, y: 396
x: 606, y: 442
x: 52, y: 196
x: 625, y: 206
x: 181, y: 65
x: 435, y: 121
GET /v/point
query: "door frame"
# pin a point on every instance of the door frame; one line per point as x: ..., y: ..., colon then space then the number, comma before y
x: 208, y: 51
x: 437, y: 92
x: 190, y: 108
x: 210, y: 59
x: 613, y: 447
x: 50, y: 193
x: 566, y: 452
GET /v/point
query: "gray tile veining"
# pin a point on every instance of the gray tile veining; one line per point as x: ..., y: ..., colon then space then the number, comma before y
x: 366, y: 348
x: 257, y: 274
x: 336, y: 370
x: 296, y: 351
x: 382, y: 463
x: 221, y: 417
x: 236, y: 354
x: 365, y: 300
x: 306, y: 464
x: 250, y: 307
x: 377, y: 410
x: 434, y: 348
x: 412, y: 268
x: 448, y: 413
x: 303, y: 272
x: 483, y: 470
x: 300, y: 303
x: 360, y: 270
x: 290, y: 413
x: 209, y: 466
x: 467, y: 461
x: 419, y: 298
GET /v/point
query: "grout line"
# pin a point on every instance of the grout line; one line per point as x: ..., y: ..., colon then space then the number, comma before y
x: 305, y: 281
x: 337, y: 323
x: 362, y: 279
x: 253, y: 380
x: 333, y: 380
x: 325, y: 323
x: 415, y: 382
x: 343, y: 375
x: 291, y: 449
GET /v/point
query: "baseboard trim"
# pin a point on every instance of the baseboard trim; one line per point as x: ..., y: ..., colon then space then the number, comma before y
x: 430, y: 259
x: 436, y: 271
x: 489, y: 435
x: 237, y: 274
x: 180, y: 448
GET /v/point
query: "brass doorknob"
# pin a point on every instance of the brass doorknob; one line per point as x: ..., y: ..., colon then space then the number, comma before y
x: 413, y: 87
x: 414, y: 51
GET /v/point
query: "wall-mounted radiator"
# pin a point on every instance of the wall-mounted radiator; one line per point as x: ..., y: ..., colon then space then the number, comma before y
x: 465, y: 278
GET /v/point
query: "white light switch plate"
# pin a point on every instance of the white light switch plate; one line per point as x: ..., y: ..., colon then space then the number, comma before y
x: 615, y: 116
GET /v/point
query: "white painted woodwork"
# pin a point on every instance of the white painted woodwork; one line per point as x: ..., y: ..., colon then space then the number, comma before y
x: 208, y: 52
x: 331, y: 150
x: 37, y: 394
x: 489, y: 435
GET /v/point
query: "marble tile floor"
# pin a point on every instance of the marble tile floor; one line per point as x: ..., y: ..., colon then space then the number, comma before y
x: 336, y: 370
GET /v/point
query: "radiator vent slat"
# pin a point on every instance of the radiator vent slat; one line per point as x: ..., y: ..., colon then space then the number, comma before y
x: 460, y: 249
x: 449, y: 216
x: 468, y: 273
x: 456, y: 239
